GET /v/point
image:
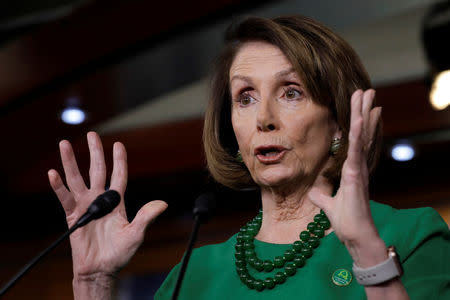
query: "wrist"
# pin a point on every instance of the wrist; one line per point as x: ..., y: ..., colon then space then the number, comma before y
x: 94, y: 286
x: 367, y: 252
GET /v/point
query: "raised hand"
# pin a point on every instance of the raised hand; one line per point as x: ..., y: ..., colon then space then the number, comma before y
x: 104, y: 246
x: 349, y: 210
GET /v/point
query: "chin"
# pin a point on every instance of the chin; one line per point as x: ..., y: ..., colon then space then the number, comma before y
x: 276, y: 178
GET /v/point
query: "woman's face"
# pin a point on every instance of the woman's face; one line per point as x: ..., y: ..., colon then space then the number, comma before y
x: 283, y: 136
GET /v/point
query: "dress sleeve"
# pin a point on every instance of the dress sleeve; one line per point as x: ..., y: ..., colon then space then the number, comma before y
x: 426, y: 261
x: 166, y: 289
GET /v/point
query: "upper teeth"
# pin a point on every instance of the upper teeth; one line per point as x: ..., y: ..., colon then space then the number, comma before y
x: 271, y: 153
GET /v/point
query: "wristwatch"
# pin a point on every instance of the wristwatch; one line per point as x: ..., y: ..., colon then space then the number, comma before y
x: 380, y: 273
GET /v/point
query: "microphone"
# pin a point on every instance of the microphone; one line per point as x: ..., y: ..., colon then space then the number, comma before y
x: 101, y: 206
x: 204, y: 205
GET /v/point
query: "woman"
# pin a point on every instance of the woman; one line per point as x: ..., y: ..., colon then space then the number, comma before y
x: 291, y: 112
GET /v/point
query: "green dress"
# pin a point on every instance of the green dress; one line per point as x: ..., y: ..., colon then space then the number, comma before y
x: 421, y: 237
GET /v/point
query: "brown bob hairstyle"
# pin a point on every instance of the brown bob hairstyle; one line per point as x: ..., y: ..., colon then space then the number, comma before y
x: 327, y: 66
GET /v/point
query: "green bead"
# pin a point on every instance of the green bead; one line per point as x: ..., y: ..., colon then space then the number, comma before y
x: 268, y: 265
x: 248, y: 245
x: 258, y: 265
x: 290, y: 269
x: 269, y: 283
x: 250, y: 282
x: 280, y: 277
x: 318, y: 218
x: 250, y: 253
x: 257, y: 223
x: 251, y: 260
x: 240, y: 239
x: 252, y: 231
x: 239, y: 254
x: 307, y: 252
x: 299, y: 261
x: 298, y: 245
x: 319, y: 232
x: 311, y: 226
x: 243, y: 229
x: 244, y: 277
x: 239, y: 246
x: 241, y: 270
x: 258, y: 218
x: 289, y: 254
x: 325, y: 223
x: 278, y: 261
x: 240, y: 263
x: 314, y: 241
x: 304, y: 235
x: 247, y: 237
x: 252, y: 226
x: 259, y: 285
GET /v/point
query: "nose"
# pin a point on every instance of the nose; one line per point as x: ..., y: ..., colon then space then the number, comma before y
x: 267, y: 117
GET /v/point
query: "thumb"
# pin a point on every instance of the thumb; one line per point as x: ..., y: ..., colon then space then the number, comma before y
x: 147, y: 214
x: 319, y: 198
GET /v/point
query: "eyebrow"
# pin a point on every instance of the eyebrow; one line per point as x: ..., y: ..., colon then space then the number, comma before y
x: 280, y: 74
x: 241, y: 77
x: 285, y: 73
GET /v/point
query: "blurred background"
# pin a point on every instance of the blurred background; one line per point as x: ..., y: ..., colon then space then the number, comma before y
x: 137, y: 72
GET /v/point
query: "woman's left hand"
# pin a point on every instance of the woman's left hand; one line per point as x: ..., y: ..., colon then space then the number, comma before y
x: 349, y: 210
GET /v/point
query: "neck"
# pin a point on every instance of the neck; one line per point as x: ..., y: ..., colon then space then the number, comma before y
x: 286, y: 214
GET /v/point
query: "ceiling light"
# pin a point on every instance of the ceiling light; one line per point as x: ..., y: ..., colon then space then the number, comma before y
x: 440, y: 91
x: 402, y: 152
x: 73, y: 115
x: 435, y: 32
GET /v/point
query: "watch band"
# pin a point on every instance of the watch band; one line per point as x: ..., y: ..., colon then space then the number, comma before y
x: 380, y: 273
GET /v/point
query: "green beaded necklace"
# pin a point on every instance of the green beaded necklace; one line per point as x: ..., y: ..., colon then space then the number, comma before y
x: 293, y: 258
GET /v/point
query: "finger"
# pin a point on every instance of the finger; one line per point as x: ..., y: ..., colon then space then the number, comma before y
x: 97, y: 169
x: 354, y: 136
x: 320, y: 199
x: 147, y: 214
x: 64, y: 196
x: 73, y: 177
x: 368, y: 97
x: 119, y: 175
x: 375, y: 115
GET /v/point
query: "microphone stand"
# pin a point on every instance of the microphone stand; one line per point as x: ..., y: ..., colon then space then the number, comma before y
x: 186, y: 257
x: 204, y: 205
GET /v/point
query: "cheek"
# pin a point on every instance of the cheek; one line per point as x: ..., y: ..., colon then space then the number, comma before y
x: 311, y: 137
x: 240, y: 132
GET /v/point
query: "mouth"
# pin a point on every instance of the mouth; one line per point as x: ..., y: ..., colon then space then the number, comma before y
x: 270, y: 153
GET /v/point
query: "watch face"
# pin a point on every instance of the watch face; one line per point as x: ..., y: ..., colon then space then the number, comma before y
x: 392, y: 253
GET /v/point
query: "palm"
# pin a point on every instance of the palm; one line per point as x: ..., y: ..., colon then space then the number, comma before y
x: 96, y: 245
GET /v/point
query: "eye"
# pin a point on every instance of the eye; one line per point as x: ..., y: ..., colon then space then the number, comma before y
x: 291, y: 93
x: 245, y: 99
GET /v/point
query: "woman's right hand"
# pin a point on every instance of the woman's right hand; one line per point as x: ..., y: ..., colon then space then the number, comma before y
x: 101, y: 248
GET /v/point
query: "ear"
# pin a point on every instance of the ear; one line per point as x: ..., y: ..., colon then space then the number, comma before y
x: 336, y: 131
